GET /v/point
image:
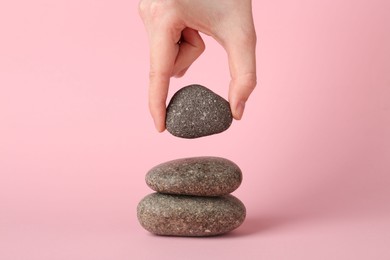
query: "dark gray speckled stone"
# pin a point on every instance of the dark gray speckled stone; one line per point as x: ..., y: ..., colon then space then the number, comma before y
x: 199, y: 176
x: 175, y: 215
x: 195, y: 111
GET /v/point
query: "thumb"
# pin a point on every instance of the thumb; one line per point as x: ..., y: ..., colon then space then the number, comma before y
x: 242, y: 65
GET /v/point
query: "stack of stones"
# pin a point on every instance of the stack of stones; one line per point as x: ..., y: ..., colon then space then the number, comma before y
x: 192, y: 195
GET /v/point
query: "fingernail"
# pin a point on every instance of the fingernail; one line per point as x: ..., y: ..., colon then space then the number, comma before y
x: 240, y: 109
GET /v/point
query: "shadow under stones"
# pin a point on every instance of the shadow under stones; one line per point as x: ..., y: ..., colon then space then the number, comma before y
x: 253, y: 226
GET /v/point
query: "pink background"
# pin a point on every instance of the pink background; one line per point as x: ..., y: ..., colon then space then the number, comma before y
x: 76, y: 138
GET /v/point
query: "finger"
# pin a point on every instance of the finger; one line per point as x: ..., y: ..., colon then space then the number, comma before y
x: 242, y: 63
x: 163, y: 51
x: 190, y: 48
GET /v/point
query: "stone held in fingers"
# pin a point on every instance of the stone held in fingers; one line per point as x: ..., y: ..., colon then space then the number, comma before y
x: 175, y: 215
x: 195, y: 111
x: 197, y: 176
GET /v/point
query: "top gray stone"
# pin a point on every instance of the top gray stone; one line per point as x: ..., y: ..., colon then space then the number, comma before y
x: 197, y: 176
x: 195, y: 111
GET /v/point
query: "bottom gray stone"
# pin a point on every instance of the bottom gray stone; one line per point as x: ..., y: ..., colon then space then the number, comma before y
x: 178, y: 215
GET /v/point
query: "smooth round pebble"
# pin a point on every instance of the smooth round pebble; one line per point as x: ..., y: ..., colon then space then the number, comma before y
x: 175, y: 215
x: 195, y: 111
x: 198, y: 176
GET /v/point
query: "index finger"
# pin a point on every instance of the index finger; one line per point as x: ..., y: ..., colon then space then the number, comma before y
x: 163, y: 51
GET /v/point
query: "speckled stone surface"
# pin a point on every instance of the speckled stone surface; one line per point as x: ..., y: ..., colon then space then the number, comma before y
x: 175, y: 215
x: 195, y: 111
x: 199, y: 176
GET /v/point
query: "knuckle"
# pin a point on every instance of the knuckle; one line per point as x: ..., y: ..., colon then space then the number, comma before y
x: 251, y: 80
x: 247, y: 81
x: 154, y: 8
x: 142, y: 7
x: 248, y: 38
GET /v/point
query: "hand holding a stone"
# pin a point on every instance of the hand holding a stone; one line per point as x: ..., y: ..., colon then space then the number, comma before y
x: 173, y: 27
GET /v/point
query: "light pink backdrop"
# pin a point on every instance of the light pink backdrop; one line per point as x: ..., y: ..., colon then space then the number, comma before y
x: 76, y: 138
